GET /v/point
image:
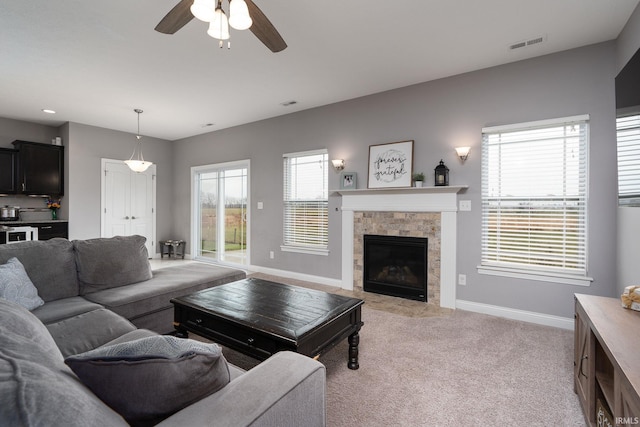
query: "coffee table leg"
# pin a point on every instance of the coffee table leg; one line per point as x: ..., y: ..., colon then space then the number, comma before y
x: 180, y: 331
x: 354, y: 340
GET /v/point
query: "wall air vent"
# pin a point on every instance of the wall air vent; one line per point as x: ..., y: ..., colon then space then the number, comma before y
x: 529, y: 42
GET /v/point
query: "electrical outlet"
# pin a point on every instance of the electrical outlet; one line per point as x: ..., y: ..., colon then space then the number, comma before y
x: 465, y: 205
x: 260, y: 205
x: 271, y: 255
x: 462, y: 279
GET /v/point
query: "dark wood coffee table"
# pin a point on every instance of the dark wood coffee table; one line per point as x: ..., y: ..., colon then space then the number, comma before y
x: 259, y: 318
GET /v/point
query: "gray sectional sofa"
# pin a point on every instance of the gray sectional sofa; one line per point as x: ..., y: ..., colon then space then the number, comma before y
x: 98, y: 293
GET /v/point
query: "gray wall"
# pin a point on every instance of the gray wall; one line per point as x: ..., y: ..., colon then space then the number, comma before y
x: 439, y: 116
x: 86, y: 146
x: 628, y: 217
x: 10, y: 130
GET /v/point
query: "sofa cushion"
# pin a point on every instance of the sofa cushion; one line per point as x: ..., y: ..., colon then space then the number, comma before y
x: 17, y: 321
x: 16, y: 286
x: 111, y: 262
x: 155, y: 294
x: 36, y: 387
x: 50, y: 264
x: 87, y: 331
x: 61, y: 309
x: 149, y: 379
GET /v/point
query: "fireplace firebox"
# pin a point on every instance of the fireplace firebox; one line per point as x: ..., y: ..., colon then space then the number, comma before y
x: 396, y: 266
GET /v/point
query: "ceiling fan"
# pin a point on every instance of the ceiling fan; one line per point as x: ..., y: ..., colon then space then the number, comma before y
x: 261, y: 27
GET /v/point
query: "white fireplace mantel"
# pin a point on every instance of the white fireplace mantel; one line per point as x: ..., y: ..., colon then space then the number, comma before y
x: 414, y: 199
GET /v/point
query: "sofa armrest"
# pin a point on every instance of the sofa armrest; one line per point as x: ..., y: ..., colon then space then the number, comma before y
x: 288, y: 389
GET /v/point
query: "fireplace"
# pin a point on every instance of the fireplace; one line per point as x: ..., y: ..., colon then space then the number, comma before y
x: 396, y: 266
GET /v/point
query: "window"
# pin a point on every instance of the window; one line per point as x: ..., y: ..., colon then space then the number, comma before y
x: 534, y: 197
x: 306, y: 202
x: 628, y: 137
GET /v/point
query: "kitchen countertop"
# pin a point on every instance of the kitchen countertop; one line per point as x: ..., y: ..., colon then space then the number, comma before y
x: 38, y: 221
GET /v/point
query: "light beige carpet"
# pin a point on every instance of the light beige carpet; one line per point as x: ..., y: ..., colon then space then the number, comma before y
x: 456, y: 369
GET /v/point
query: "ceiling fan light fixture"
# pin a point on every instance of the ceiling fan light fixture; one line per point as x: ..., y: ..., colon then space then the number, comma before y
x: 203, y: 9
x: 219, y: 27
x: 239, y: 18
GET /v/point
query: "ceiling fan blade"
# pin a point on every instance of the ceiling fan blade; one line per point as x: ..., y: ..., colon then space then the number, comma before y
x: 177, y: 18
x: 264, y: 30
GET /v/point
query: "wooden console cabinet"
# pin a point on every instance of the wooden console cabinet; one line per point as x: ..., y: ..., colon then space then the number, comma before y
x: 607, y: 359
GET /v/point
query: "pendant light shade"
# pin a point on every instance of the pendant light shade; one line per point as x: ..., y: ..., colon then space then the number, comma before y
x: 219, y: 27
x: 138, y: 165
x: 203, y: 9
x: 136, y: 162
x: 239, y: 18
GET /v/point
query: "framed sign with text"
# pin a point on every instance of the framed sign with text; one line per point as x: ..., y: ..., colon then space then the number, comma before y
x: 390, y: 165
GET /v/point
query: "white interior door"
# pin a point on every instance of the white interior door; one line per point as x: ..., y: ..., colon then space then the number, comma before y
x: 142, y: 205
x: 128, y: 202
x: 116, y: 196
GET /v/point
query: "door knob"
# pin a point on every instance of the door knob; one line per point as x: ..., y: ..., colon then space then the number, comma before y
x: 133, y: 217
x: 126, y: 217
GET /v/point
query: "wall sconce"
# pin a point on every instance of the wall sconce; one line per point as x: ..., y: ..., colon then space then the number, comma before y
x: 463, y: 153
x: 338, y: 164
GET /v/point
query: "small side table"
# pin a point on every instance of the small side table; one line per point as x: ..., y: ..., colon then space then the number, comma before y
x: 172, y: 247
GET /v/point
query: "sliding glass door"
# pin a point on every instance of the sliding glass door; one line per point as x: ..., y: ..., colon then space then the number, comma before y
x: 220, y: 201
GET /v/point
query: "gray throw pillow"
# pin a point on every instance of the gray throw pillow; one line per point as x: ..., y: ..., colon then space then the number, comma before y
x: 15, y: 285
x: 148, y: 379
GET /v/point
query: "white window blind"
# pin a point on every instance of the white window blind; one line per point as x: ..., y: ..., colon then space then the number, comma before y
x: 628, y: 137
x: 306, y: 200
x: 534, y: 196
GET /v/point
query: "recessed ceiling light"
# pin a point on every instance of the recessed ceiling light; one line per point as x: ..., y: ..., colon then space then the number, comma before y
x: 48, y: 111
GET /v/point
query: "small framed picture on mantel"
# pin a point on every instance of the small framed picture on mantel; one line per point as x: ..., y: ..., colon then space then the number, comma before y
x: 390, y: 165
x: 348, y: 181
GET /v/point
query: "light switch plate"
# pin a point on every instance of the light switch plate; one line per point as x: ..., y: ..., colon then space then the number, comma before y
x: 465, y: 205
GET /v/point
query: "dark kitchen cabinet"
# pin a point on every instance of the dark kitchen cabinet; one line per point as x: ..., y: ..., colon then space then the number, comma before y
x: 52, y: 229
x: 40, y: 169
x: 8, y: 172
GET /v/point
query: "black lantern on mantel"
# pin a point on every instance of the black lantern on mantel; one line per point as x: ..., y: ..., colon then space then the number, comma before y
x: 442, y: 174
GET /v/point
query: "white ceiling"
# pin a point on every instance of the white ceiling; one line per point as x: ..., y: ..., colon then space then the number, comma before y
x: 95, y: 61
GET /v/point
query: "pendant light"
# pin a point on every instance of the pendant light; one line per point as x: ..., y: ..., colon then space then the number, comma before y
x: 138, y: 164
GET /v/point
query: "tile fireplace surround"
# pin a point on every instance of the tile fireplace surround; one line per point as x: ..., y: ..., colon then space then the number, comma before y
x: 417, y: 212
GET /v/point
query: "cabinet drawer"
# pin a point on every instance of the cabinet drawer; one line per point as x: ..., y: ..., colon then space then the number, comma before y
x: 50, y: 230
x: 232, y: 335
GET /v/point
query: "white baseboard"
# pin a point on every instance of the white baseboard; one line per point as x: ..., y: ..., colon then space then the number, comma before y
x: 493, y: 310
x: 512, y: 313
x: 297, y: 276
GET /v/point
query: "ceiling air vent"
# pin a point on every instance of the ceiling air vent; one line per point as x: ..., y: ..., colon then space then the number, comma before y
x: 526, y: 43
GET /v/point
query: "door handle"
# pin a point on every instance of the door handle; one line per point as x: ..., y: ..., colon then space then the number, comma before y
x: 126, y: 217
x: 580, y: 367
x: 133, y: 217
